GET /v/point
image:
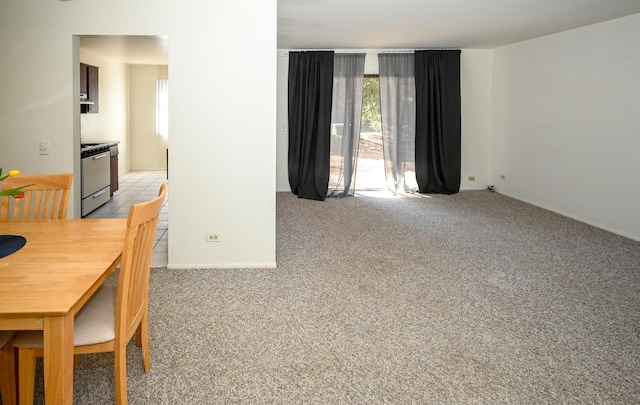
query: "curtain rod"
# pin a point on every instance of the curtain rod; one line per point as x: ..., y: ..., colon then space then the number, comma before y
x: 419, y: 49
x: 376, y: 51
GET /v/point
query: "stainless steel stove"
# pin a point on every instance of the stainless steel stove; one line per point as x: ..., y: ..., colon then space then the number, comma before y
x: 96, y: 176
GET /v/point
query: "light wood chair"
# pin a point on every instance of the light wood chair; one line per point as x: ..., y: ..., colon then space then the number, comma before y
x: 46, y: 198
x: 7, y: 368
x: 108, y: 321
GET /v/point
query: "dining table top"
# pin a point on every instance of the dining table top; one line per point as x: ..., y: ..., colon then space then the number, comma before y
x: 62, y: 263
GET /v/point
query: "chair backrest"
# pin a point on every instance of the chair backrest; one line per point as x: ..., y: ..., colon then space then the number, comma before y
x: 133, y: 280
x: 47, y: 197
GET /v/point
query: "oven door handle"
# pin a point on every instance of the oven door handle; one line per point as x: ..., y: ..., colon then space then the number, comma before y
x: 99, y: 193
x: 98, y: 156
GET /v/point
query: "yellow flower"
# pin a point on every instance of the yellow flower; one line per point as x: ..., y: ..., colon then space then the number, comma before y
x: 16, y: 192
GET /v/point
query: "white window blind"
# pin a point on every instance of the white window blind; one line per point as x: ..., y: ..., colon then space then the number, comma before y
x: 162, y: 107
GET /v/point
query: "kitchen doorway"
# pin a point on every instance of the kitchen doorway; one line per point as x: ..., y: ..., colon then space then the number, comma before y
x: 128, y: 67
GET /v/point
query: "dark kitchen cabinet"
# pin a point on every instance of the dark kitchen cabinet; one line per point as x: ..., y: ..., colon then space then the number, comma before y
x: 113, y: 152
x: 89, y: 89
x: 83, y: 80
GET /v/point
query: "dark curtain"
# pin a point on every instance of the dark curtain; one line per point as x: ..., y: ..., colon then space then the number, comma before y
x: 438, y: 127
x: 310, y: 91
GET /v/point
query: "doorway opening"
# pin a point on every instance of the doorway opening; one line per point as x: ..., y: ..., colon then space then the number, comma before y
x: 370, y: 173
x: 128, y: 69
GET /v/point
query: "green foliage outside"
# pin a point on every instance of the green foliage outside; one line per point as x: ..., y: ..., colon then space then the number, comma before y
x: 371, y: 104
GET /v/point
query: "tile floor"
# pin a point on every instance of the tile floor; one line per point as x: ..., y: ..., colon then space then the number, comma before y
x: 135, y: 187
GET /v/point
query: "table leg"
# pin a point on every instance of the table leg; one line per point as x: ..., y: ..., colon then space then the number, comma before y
x: 58, y: 360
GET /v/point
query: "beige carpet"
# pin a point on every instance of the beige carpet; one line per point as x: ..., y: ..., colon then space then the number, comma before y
x: 470, y: 298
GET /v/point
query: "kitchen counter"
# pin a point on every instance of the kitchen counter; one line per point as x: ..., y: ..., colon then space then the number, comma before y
x: 110, y: 143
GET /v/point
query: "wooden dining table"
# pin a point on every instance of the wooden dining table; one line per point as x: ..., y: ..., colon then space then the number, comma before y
x: 46, y: 282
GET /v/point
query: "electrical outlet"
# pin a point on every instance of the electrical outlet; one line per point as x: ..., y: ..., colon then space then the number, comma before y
x: 502, y: 177
x: 213, y: 237
x: 472, y: 178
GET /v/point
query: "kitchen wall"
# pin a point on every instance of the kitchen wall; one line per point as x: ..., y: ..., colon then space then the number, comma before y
x: 127, y: 113
x: 475, y: 78
x: 148, y: 150
x: 212, y: 188
x: 566, y: 120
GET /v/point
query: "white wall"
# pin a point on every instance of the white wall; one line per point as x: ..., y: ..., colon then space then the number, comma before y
x: 475, y: 95
x: 148, y: 150
x: 475, y: 78
x: 565, y: 123
x: 282, y: 142
x: 223, y: 165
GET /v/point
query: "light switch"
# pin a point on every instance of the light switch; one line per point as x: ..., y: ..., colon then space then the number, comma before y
x: 44, y: 147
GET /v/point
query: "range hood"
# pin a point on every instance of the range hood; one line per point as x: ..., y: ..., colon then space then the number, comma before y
x: 83, y: 99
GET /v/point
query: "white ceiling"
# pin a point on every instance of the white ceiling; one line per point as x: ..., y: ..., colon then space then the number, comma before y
x: 420, y: 24
x: 397, y: 24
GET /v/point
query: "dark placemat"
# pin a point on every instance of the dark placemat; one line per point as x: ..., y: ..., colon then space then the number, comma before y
x: 11, y: 244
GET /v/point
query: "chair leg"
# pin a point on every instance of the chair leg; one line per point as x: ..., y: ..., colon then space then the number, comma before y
x: 120, y: 354
x: 8, y: 374
x: 26, y: 375
x: 139, y: 335
x: 142, y: 339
